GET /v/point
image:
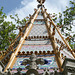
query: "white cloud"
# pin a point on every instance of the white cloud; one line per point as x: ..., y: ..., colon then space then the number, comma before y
x: 24, y: 2
x: 24, y: 11
x: 56, y: 6
x: 27, y: 7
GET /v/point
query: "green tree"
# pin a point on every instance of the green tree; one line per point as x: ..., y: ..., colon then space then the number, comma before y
x: 7, y: 29
x: 18, y: 21
x: 66, y: 21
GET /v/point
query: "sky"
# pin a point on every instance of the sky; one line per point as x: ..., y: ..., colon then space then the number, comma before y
x: 25, y: 7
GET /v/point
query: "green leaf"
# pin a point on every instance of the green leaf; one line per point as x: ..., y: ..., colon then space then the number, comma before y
x: 1, y: 32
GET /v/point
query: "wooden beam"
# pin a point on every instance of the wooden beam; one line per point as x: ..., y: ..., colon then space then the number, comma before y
x: 61, y: 36
x: 58, y: 60
x: 13, y: 56
x: 54, y: 45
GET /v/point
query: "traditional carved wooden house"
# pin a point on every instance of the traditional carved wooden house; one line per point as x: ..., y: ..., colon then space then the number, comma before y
x: 39, y: 48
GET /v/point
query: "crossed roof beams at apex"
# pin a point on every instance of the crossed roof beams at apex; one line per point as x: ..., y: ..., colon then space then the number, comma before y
x: 41, y: 1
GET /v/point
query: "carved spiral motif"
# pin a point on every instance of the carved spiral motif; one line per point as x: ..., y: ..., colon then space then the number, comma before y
x: 41, y: 1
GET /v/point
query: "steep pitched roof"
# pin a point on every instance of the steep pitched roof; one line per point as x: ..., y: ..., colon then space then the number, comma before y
x: 40, y: 35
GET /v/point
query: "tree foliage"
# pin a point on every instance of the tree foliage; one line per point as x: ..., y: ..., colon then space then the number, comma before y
x: 7, y: 33
x: 69, y: 15
x: 18, y: 21
x: 65, y: 21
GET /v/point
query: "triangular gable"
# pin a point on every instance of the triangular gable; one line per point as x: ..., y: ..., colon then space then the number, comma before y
x: 38, y: 37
